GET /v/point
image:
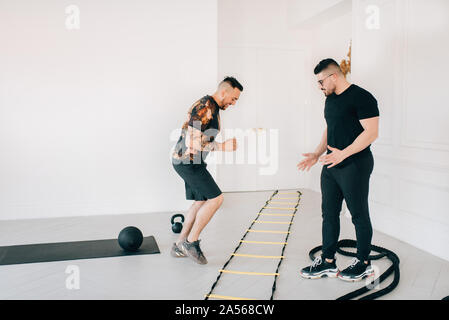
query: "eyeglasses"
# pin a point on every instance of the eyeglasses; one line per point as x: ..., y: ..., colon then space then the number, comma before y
x: 322, y: 81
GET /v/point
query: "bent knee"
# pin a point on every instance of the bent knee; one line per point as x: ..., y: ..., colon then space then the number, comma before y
x: 218, y: 200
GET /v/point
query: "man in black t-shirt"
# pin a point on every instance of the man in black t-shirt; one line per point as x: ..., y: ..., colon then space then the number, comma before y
x: 352, y: 119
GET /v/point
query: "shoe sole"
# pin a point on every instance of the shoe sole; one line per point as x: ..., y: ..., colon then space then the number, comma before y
x: 364, y: 275
x: 324, y: 274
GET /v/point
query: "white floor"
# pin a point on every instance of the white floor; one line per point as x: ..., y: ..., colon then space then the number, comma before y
x: 160, y: 276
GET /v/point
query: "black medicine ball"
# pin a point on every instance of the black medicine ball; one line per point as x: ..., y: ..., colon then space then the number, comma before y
x: 130, y: 239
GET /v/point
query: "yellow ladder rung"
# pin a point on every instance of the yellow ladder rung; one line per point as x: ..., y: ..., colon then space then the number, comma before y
x: 250, y: 273
x: 277, y: 208
x: 297, y: 193
x: 256, y: 256
x: 268, y: 231
x: 282, y: 202
x: 262, y: 242
x: 216, y: 296
x: 273, y: 222
x: 277, y: 214
x: 286, y: 198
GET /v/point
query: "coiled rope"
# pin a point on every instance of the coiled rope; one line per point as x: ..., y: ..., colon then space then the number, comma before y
x: 382, y: 252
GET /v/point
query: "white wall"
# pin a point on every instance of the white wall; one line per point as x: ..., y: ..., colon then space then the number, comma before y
x: 332, y: 39
x: 86, y: 115
x: 247, y: 29
x: 312, y: 14
x: 270, y: 57
x: 404, y: 64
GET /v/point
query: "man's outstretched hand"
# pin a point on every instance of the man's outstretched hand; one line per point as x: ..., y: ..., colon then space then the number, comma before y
x: 229, y: 145
x: 308, y: 162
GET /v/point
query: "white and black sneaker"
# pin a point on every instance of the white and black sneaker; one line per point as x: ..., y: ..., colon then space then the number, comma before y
x: 357, y: 271
x: 320, y: 268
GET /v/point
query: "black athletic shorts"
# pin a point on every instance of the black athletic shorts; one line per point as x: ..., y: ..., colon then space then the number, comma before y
x: 200, y: 185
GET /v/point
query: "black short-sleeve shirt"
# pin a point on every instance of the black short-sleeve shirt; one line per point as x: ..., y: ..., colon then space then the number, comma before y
x: 343, y: 113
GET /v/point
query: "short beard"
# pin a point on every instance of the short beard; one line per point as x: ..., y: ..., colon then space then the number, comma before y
x: 328, y: 94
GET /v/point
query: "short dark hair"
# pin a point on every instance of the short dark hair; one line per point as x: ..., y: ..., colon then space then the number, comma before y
x: 233, y: 83
x: 324, y: 64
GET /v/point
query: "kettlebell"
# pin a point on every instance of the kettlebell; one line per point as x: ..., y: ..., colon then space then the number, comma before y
x: 177, y: 226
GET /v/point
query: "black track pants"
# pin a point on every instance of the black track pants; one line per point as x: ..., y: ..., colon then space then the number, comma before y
x: 351, y: 183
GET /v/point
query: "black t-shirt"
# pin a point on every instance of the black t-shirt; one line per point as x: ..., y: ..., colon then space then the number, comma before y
x: 343, y: 113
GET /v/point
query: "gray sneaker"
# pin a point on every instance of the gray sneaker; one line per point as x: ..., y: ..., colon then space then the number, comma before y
x: 193, y: 251
x: 176, y: 251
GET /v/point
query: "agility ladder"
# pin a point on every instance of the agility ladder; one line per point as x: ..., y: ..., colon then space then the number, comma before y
x: 274, y: 205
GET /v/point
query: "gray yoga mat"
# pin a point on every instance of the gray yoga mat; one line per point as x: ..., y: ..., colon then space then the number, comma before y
x: 47, y: 252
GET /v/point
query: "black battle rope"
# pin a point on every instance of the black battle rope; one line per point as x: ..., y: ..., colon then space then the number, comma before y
x: 285, y: 244
x: 394, y: 268
x: 244, y: 236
